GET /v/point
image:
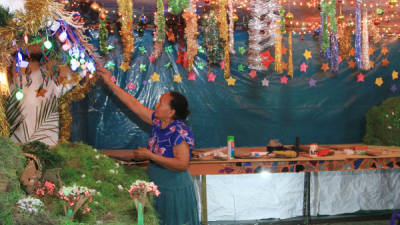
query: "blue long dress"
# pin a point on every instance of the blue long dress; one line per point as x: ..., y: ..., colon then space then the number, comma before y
x: 177, y: 204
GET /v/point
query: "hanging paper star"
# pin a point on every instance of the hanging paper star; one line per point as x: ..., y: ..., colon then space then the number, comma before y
x: 242, y: 50
x: 303, y: 67
x: 222, y: 64
x: 325, y: 67
x: 307, y: 54
x: 340, y: 59
x: 177, y: 78
x: 145, y: 82
x: 379, y: 81
x: 168, y: 49
x: 284, y: 65
x: 241, y: 67
x: 393, y: 88
x: 211, y: 77
x: 384, y: 50
x: 200, y: 65
x: 151, y: 58
x: 312, y: 82
x: 360, y: 77
x: 155, y: 77
x: 283, y: 50
x: 191, y: 76
x: 352, y: 64
x: 371, y: 51
x: 385, y: 62
x: 130, y: 85
x: 352, y: 52
x: 265, y: 82
x: 284, y: 80
x: 231, y: 81
x: 253, y: 73
x: 267, y: 58
x: 110, y: 47
x: 142, y: 50
x: 110, y: 65
x: 200, y: 49
x: 142, y: 67
x: 395, y: 75
x: 167, y: 65
x: 113, y: 79
x: 125, y: 66
x: 40, y: 92
x: 371, y: 64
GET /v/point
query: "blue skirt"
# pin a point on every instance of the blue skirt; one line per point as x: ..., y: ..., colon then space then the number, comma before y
x: 177, y: 204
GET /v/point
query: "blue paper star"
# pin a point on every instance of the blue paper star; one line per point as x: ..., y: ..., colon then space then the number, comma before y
x: 393, y: 88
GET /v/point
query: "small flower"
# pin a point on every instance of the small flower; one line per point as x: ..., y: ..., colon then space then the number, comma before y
x: 112, y: 171
x: 96, y: 202
x: 389, y: 127
x: 97, y: 156
x: 117, y: 165
x: 120, y: 187
x: 387, y: 115
x: 95, y: 150
x: 392, y: 113
x: 83, y: 176
x: 98, y: 181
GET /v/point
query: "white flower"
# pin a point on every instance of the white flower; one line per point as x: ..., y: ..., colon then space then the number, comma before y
x: 98, y: 181
x: 83, y: 176
x: 387, y: 115
x: 112, y: 171
x: 117, y: 165
x: 95, y: 150
x: 97, y: 156
x: 389, y: 127
x: 98, y: 193
x: 120, y: 187
x: 96, y: 202
x: 392, y: 113
x: 30, y: 204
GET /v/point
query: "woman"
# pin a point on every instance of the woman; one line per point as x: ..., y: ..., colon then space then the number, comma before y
x: 169, y: 150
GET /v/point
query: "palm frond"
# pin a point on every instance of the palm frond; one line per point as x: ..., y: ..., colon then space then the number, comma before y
x: 14, y: 113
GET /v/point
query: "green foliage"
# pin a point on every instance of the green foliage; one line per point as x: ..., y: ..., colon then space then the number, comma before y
x: 85, y: 166
x: 103, y: 37
x: 383, y: 123
x: 5, y: 16
x: 14, y: 115
x: 160, y: 21
x: 212, y: 41
x: 176, y: 6
x: 49, y: 159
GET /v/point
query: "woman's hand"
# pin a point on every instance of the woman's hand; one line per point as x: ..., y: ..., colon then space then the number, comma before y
x: 105, y: 74
x: 142, y: 154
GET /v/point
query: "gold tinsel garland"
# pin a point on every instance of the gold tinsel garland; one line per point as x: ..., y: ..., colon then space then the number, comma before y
x: 345, y: 43
x: 290, y: 61
x: 4, y: 126
x: 278, y: 52
x: 231, y: 27
x: 125, y: 7
x: 77, y: 93
x: 191, y: 33
x: 223, y: 34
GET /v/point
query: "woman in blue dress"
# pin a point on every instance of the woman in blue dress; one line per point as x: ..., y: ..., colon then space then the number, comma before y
x: 169, y: 150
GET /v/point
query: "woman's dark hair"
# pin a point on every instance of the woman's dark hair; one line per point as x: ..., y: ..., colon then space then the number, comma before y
x: 180, y: 105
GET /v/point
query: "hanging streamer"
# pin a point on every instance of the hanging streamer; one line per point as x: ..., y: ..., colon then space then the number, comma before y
x: 223, y: 34
x: 191, y: 33
x: 365, y: 43
x: 159, y: 36
x: 290, y: 61
x: 278, y: 52
x: 334, y: 46
x: 357, y: 41
x: 345, y: 43
x: 125, y: 7
x: 231, y: 27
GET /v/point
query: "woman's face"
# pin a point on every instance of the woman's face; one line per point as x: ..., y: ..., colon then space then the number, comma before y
x: 163, y: 109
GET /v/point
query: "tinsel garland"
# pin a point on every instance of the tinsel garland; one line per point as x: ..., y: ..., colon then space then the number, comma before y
x: 159, y: 36
x: 191, y: 33
x: 278, y: 52
x: 76, y: 94
x: 374, y: 32
x: 324, y: 25
x: 176, y: 6
x: 212, y: 42
x: 365, y: 42
x: 224, y: 35
x: 125, y: 7
x: 334, y: 46
x: 261, y: 29
x: 324, y: 53
x: 4, y: 126
x: 103, y: 37
x: 290, y: 60
x: 345, y: 43
x: 357, y: 41
x: 231, y: 27
x: 282, y: 20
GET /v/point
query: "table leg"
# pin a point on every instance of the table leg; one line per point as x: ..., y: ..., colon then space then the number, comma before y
x: 204, y: 219
x: 306, y: 198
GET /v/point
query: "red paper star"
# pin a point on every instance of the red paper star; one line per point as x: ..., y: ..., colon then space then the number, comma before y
x: 340, y: 59
x: 191, y: 76
x: 253, y: 73
x: 360, y: 77
x: 284, y: 80
x: 211, y: 77
x: 130, y: 85
x: 268, y: 59
x: 151, y: 58
x: 303, y: 67
x: 222, y: 64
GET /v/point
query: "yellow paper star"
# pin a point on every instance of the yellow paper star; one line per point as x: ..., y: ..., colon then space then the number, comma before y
x: 371, y: 64
x: 379, y: 81
x: 395, y: 75
x: 125, y: 66
x: 385, y: 62
x: 384, y: 50
x: 325, y: 67
x: 371, y: 51
x: 177, y: 78
x: 307, y: 54
x: 231, y: 81
x: 155, y: 77
x: 284, y: 66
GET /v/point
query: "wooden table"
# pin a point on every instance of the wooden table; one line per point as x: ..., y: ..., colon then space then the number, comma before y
x: 388, y: 159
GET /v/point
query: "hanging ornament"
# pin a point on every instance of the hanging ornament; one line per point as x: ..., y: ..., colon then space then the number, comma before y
x: 393, y: 2
x: 103, y: 36
x: 63, y: 36
x: 47, y: 44
x: 380, y: 11
x: 387, y: 19
x: 159, y: 35
x: 345, y: 43
x: 95, y: 6
x: 125, y: 7
x: 377, y: 22
x: 212, y: 42
x: 19, y: 95
x: 289, y: 16
x: 365, y: 42
x: 102, y: 15
x: 142, y: 23
x: 191, y: 33
x: 374, y: 32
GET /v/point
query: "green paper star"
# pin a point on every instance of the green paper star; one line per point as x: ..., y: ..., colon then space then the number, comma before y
x: 110, y: 47
x: 242, y: 50
x: 241, y: 67
x: 168, y: 49
x: 110, y: 65
x: 167, y: 65
x: 200, y: 49
x: 142, y: 67
x: 142, y: 50
x: 200, y: 65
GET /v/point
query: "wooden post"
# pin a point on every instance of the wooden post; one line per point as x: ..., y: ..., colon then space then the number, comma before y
x: 204, y: 219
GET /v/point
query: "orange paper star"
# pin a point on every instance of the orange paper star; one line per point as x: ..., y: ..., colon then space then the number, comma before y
x: 371, y: 64
x: 125, y: 66
x: 395, y: 75
x: 283, y: 50
x: 40, y: 92
x: 352, y: 52
x: 325, y: 67
x: 352, y: 64
x: 385, y: 62
x: 384, y: 50
x: 284, y: 66
x: 371, y: 51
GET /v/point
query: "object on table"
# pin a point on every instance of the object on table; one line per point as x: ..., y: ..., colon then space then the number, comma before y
x: 210, y: 154
x: 285, y: 154
x: 348, y: 151
x: 313, y: 150
x: 256, y: 153
x: 325, y: 152
x: 274, y: 144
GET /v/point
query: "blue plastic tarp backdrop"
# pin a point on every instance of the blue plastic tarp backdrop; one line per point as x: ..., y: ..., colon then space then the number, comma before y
x: 331, y: 112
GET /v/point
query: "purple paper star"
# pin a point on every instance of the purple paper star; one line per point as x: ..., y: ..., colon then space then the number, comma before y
x: 144, y: 82
x: 312, y: 82
x: 393, y: 88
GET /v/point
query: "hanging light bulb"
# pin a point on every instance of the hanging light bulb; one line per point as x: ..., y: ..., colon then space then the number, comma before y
x: 26, y: 38
x: 4, y: 88
x: 47, y: 44
x: 63, y: 36
x: 19, y: 95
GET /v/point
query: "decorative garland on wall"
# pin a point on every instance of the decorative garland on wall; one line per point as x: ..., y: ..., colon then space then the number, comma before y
x: 191, y: 33
x: 125, y: 7
x: 159, y: 35
x: 224, y: 36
